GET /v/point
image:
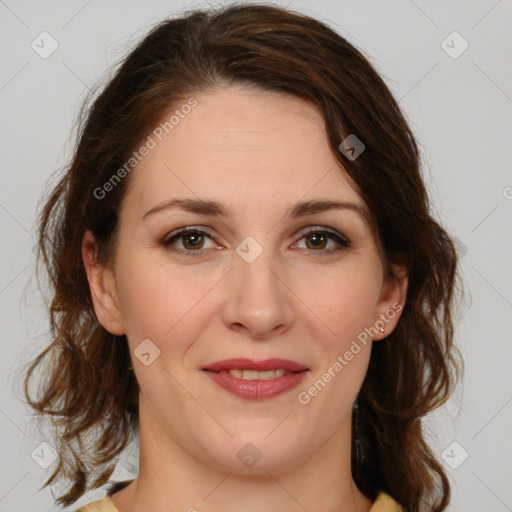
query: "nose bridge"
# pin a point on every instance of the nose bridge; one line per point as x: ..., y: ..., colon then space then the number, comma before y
x: 258, y: 277
x: 259, y: 300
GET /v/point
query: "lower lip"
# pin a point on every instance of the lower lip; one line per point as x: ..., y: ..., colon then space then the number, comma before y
x: 257, y: 389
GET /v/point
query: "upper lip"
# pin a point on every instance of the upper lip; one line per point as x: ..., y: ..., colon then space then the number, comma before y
x: 261, y: 366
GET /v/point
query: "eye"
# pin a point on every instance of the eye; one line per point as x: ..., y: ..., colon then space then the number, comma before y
x: 191, y: 240
x: 318, y: 240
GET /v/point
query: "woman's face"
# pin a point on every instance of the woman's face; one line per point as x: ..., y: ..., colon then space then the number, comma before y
x: 267, y: 271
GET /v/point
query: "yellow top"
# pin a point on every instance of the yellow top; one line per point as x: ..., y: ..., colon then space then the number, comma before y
x: 383, y: 503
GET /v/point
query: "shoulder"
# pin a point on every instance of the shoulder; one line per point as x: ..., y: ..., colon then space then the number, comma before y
x: 385, y: 503
x: 104, y: 505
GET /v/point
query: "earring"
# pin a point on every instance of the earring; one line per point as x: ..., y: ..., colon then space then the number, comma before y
x: 381, y: 329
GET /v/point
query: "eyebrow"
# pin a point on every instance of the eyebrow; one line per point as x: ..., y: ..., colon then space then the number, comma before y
x: 216, y: 209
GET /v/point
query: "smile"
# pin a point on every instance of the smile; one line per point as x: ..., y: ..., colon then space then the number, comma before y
x: 253, y: 375
x: 256, y: 380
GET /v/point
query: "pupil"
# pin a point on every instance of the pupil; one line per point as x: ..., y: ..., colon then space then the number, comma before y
x: 195, y: 243
x: 319, y: 240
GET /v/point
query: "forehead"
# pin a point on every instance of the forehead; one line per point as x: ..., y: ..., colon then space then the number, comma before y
x: 244, y: 147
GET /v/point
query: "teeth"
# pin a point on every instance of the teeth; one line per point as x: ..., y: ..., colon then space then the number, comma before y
x: 252, y: 374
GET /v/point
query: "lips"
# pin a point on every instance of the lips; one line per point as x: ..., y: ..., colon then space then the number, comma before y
x: 256, y: 380
x: 258, y: 366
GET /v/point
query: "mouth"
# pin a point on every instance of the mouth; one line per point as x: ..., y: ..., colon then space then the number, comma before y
x: 256, y: 380
x: 249, y: 369
x: 254, y: 375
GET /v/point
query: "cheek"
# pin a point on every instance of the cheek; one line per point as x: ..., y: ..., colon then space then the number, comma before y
x: 345, y: 300
x: 157, y: 301
x: 346, y: 304
x: 165, y: 303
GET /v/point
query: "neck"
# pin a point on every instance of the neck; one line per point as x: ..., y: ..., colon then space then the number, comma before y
x: 170, y: 478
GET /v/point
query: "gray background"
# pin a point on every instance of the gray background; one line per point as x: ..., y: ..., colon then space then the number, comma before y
x: 459, y: 108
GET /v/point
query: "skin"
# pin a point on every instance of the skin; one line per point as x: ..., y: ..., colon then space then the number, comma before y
x: 257, y: 153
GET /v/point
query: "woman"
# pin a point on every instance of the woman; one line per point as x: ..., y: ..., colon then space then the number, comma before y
x: 248, y: 279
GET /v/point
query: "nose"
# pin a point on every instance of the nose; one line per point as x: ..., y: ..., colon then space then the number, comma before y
x: 258, y: 301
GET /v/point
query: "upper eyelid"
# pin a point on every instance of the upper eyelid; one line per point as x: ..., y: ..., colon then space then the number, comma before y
x: 205, y: 231
x: 320, y: 228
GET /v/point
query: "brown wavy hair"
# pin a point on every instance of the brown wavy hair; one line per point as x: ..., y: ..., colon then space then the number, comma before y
x: 87, y: 390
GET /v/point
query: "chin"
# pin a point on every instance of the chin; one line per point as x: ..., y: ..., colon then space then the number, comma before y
x: 256, y: 452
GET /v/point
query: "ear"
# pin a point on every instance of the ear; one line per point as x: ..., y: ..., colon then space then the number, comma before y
x: 102, y: 286
x: 392, y: 301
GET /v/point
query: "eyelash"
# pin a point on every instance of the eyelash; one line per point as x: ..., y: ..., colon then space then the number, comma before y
x: 168, y: 240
